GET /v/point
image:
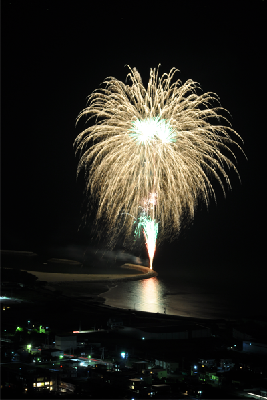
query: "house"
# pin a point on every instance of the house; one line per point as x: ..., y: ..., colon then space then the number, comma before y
x: 67, y: 371
x: 158, y: 373
x: 162, y: 389
x: 210, y: 362
x: 154, y: 374
x: 226, y: 364
x: 65, y: 387
x: 140, y: 366
x: 214, y: 378
x: 147, y: 376
x: 136, y: 384
x: 168, y: 364
x: 27, y: 379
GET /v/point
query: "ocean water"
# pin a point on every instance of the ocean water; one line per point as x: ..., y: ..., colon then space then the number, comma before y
x: 212, y: 290
x: 198, y: 298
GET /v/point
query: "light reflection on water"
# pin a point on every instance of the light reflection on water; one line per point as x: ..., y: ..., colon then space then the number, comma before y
x: 178, y: 297
x: 153, y: 295
x: 142, y: 295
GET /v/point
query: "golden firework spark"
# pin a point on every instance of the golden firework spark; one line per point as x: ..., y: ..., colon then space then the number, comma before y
x: 165, y: 141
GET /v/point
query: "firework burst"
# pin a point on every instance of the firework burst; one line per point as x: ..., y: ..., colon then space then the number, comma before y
x: 165, y: 143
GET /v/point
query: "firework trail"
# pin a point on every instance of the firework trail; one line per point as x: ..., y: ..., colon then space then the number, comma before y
x: 151, y: 153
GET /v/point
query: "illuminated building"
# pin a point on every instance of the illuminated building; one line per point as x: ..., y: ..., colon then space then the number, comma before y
x: 29, y: 379
x: 135, y: 384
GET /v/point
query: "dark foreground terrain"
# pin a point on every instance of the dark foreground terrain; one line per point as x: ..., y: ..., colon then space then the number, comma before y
x: 59, y: 342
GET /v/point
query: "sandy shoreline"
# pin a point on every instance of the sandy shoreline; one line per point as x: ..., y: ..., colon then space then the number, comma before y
x: 91, y: 285
x: 57, y: 277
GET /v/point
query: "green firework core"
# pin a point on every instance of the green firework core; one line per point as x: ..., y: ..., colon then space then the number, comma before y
x: 149, y: 226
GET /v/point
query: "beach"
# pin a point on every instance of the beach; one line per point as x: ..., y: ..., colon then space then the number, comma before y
x: 91, y: 285
x: 70, y: 277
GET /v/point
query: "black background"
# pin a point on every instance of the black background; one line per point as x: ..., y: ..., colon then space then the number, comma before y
x: 56, y: 53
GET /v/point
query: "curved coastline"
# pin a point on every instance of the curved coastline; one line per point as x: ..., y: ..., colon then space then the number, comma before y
x: 91, y: 286
x: 146, y: 272
x: 96, y: 278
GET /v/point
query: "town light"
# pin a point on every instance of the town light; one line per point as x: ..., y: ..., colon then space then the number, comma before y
x: 19, y: 329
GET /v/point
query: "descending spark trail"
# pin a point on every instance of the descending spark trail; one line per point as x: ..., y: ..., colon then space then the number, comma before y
x: 162, y: 144
x: 150, y: 229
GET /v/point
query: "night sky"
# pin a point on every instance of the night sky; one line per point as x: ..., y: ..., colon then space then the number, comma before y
x: 56, y: 53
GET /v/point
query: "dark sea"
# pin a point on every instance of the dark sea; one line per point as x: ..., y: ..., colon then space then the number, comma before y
x: 206, y: 295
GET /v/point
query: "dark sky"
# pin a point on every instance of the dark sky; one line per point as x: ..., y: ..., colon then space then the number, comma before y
x: 55, y: 53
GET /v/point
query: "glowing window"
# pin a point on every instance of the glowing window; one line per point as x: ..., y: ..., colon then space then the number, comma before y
x: 46, y: 383
x: 34, y: 384
x: 39, y: 384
